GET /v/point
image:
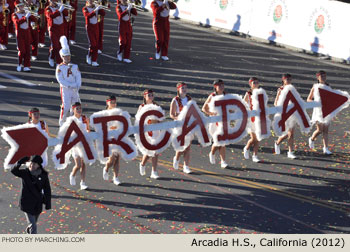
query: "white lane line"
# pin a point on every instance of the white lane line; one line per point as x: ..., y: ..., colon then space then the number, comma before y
x: 11, y: 77
x: 106, y: 55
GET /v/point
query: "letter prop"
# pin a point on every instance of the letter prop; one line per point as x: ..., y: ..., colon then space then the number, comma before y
x: 333, y: 101
x: 193, y: 124
x: 224, y: 132
x: 152, y: 142
x: 25, y: 140
x: 112, y: 127
x: 262, y: 122
x: 81, y: 144
x: 296, y: 114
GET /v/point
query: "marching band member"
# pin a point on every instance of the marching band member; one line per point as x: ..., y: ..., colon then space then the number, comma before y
x: 73, y: 22
x: 286, y: 80
x: 321, y: 127
x: 12, y: 8
x: 253, y: 141
x: 21, y: 19
x: 34, y: 30
x: 161, y: 26
x: 114, y: 158
x: 124, y: 11
x: 101, y: 21
x: 219, y: 89
x: 78, y: 159
x: 176, y: 106
x: 34, y: 118
x: 55, y: 16
x: 4, y: 21
x: 92, y: 29
x: 148, y: 98
x: 69, y: 78
x: 42, y: 28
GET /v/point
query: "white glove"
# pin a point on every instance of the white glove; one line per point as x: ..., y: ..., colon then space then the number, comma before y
x: 28, y: 15
x: 97, y: 8
x: 61, y: 8
x: 129, y: 6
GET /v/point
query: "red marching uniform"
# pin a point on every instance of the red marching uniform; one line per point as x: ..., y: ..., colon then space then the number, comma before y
x: 72, y: 24
x: 4, y: 21
x: 161, y: 25
x: 23, y: 37
x: 34, y: 30
x: 125, y: 29
x: 42, y: 28
x: 55, y: 22
x: 92, y: 30
x: 11, y: 7
x: 101, y: 25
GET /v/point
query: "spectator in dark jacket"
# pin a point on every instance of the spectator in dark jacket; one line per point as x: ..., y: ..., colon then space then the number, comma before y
x: 36, y: 190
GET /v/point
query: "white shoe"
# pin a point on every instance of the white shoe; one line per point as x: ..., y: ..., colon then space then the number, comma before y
x: 142, y: 170
x: 154, y: 175
x: 311, y: 143
x: 245, y: 153
x: 94, y: 64
x: 72, y: 179
x: 99, y: 51
x: 105, y: 174
x: 157, y: 56
x: 33, y: 58
x: 120, y: 56
x: 127, y: 61
x: 2, y: 47
x: 19, y: 68
x: 277, y: 149
x: 211, y: 158
x: 10, y: 35
x: 88, y: 59
x: 165, y: 58
x: 255, y: 159
x: 175, y: 163
x: 326, y: 151
x: 223, y: 164
x: 72, y: 42
x: 83, y: 186
x: 291, y: 155
x: 51, y: 62
x: 41, y: 45
x: 186, y: 169
x: 116, y: 181
x: 26, y: 69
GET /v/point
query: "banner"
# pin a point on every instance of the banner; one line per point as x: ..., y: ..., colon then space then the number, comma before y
x: 113, y: 127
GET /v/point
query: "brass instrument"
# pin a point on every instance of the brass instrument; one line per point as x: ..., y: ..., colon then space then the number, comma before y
x: 66, y: 6
x: 103, y: 4
x: 32, y: 9
x: 42, y: 16
x: 5, y: 12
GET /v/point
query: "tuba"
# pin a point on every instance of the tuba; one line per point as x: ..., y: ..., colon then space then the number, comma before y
x: 42, y: 16
x: 5, y: 13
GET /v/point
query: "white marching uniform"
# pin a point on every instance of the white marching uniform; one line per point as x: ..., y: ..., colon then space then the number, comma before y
x: 69, y: 78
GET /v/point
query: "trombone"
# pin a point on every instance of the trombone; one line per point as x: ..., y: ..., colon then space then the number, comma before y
x: 66, y: 6
x: 101, y: 5
x: 32, y: 10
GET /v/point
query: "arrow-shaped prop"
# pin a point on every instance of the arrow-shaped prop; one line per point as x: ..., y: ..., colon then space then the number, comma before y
x: 24, y: 141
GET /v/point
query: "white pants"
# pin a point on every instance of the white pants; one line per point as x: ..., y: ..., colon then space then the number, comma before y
x: 69, y: 96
